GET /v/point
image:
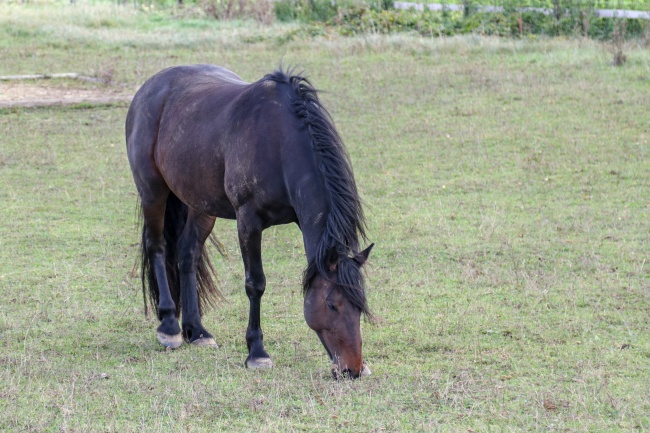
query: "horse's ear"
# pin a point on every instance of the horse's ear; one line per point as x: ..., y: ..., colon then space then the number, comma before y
x: 332, y: 260
x: 362, y: 257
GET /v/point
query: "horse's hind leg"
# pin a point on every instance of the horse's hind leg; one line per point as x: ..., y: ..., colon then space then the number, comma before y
x: 169, y: 332
x: 190, y: 248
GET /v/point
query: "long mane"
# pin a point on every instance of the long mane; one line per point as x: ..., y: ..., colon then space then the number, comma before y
x: 345, y: 222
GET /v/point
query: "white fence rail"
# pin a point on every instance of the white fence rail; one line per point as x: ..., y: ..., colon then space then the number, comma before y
x: 603, y: 13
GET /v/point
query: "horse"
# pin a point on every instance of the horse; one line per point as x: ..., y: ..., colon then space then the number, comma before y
x: 204, y: 144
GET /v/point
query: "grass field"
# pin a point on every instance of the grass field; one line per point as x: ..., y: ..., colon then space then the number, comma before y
x: 507, y: 188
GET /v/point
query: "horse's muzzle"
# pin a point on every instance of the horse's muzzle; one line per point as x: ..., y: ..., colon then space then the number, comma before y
x: 347, y: 373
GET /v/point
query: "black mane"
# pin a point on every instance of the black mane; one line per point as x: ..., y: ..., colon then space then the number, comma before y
x: 346, y: 221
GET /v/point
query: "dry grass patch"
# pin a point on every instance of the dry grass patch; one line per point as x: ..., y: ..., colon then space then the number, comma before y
x: 32, y: 94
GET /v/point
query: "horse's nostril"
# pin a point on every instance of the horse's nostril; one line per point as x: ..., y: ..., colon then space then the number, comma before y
x: 346, y: 373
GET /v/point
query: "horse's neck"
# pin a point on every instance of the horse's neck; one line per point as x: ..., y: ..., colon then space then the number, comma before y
x: 312, y: 208
x: 307, y: 190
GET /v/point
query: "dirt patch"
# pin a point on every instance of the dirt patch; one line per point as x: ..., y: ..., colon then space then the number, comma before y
x: 21, y: 94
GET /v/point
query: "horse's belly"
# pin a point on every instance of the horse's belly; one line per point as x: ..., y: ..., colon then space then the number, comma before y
x: 220, y: 209
x: 200, y: 188
x: 209, y: 203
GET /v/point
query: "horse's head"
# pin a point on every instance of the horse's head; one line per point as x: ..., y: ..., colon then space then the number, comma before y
x: 336, y: 319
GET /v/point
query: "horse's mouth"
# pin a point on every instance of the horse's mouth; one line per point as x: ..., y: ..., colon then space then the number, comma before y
x: 347, y: 373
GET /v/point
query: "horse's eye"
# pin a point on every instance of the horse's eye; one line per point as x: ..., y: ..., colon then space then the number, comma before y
x: 331, y: 306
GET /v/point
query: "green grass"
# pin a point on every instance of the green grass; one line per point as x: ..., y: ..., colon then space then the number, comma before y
x: 506, y: 186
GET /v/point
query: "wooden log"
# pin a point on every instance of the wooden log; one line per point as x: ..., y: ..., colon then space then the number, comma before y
x: 38, y: 76
x: 72, y: 75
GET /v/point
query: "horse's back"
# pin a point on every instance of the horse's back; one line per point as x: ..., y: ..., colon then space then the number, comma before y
x: 150, y: 100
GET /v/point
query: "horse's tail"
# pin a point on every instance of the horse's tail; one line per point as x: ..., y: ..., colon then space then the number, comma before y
x: 206, y: 276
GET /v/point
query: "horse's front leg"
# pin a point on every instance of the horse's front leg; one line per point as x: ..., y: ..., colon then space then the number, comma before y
x: 190, y: 251
x: 250, y: 241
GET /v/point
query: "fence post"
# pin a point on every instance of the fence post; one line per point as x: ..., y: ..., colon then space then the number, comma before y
x: 557, y: 9
x: 467, y: 8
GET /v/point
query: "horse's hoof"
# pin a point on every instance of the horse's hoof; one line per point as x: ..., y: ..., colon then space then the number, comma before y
x: 259, y: 363
x: 365, y: 371
x: 205, y: 342
x: 170, y: 341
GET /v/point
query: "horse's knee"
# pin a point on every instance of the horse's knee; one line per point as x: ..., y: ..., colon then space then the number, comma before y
x: 255, y: 286
x: 187, y: 263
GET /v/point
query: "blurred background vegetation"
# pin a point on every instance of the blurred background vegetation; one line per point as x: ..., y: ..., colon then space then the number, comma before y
x: 512, y: 18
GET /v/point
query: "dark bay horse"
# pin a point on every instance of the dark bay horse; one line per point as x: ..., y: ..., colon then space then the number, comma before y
x: 203, y: 144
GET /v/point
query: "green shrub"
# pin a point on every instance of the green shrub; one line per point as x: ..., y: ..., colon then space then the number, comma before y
x: 324, y: 10
x: 499, y: 24
x: 308, y: 10
x: 511, y: 22
x: 365, y: 20
x: 572, y: 17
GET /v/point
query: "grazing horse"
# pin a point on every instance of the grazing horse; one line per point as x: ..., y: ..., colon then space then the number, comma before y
x: 204, y: 144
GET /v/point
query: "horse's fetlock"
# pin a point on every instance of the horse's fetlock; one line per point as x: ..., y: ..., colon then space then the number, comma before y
x: 167, y: 312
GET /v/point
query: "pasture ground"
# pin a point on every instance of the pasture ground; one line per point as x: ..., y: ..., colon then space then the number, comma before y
x: 507, y: 190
